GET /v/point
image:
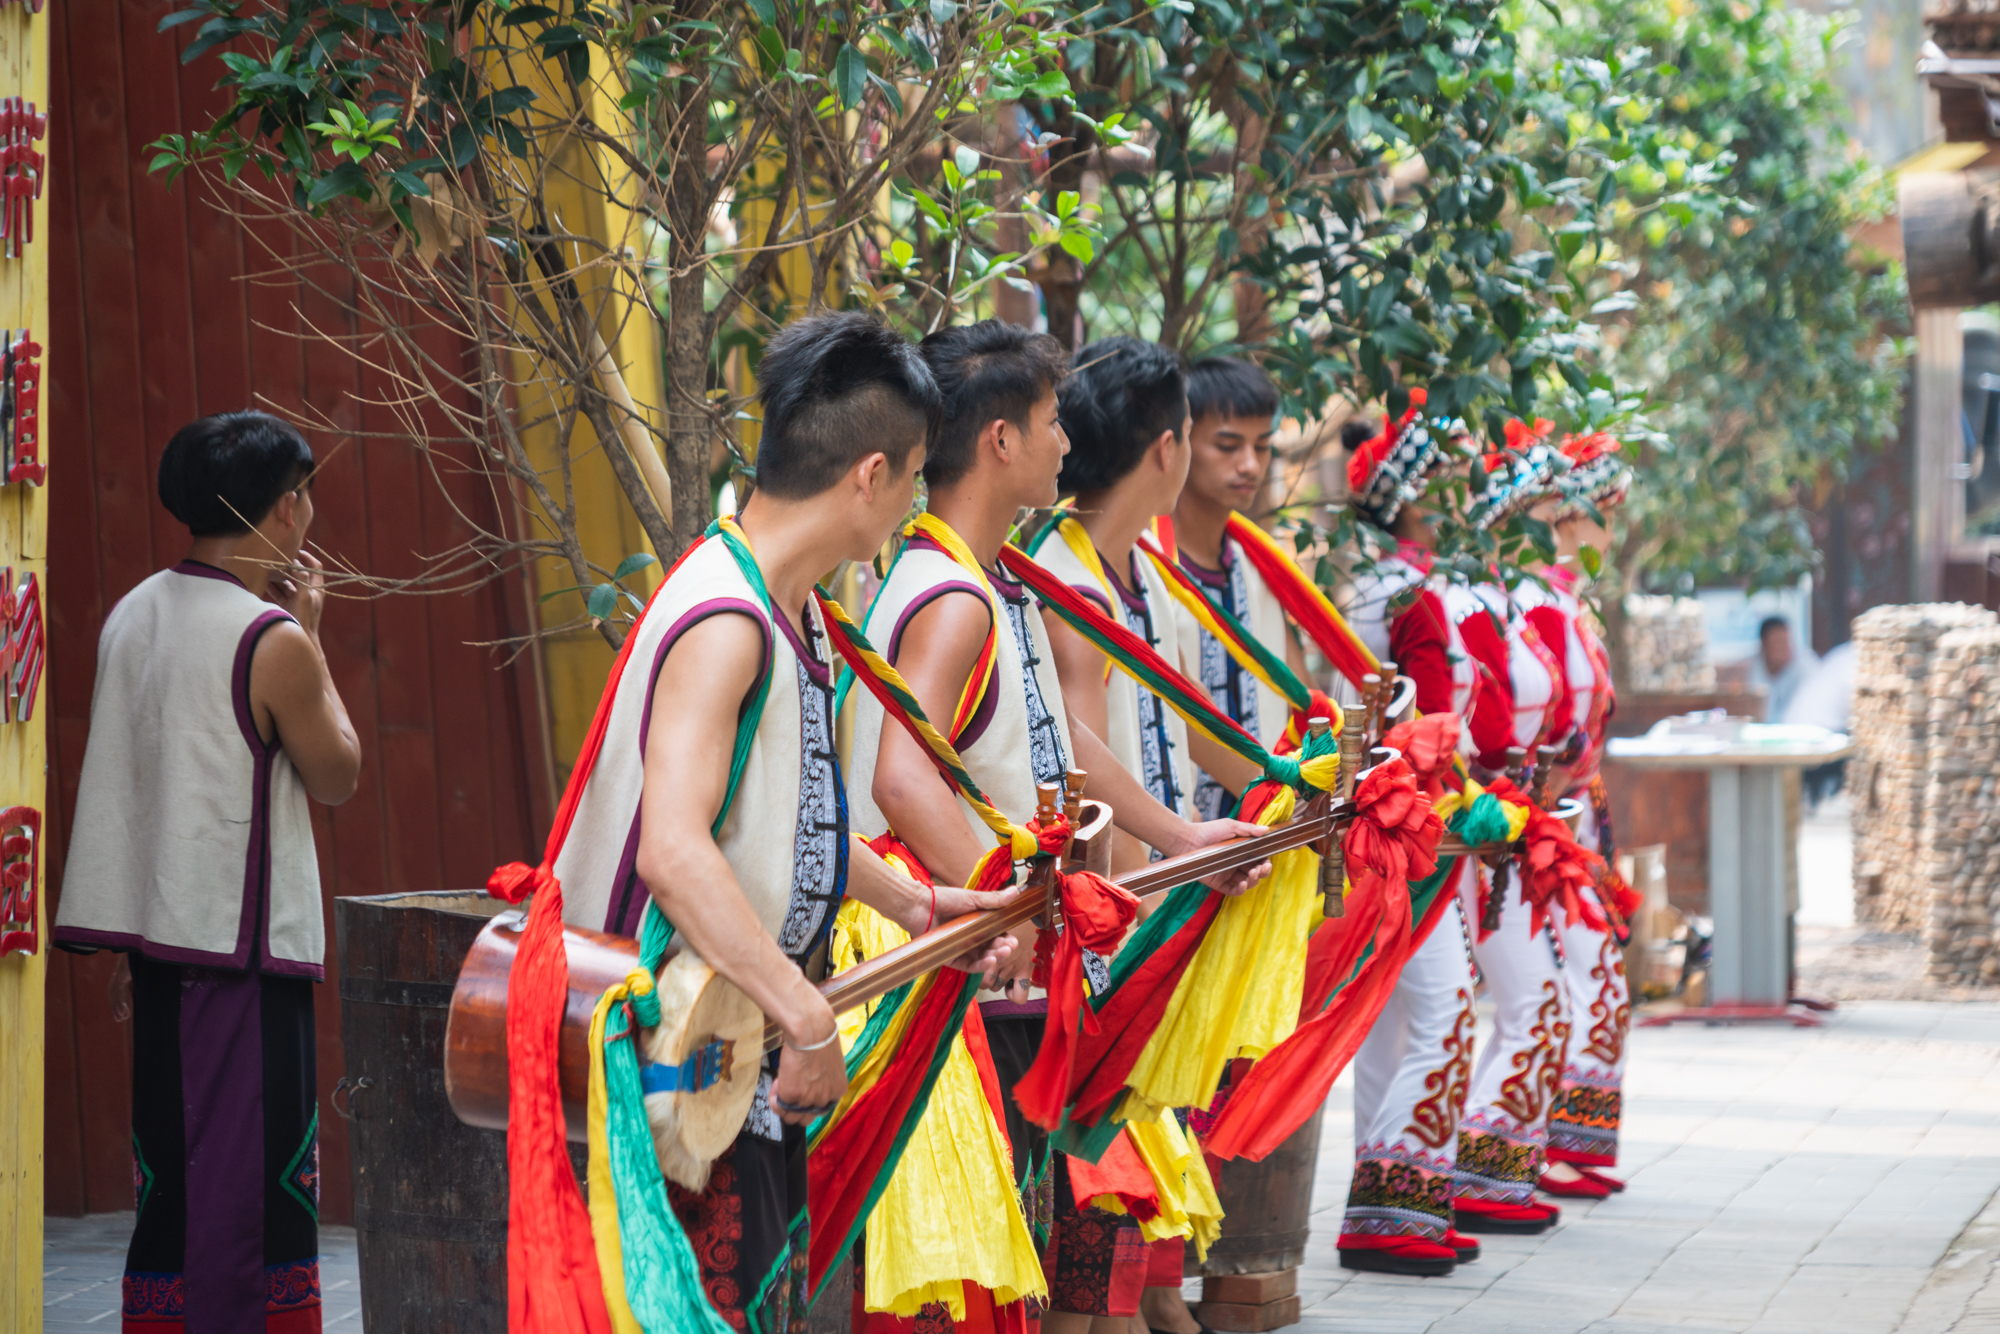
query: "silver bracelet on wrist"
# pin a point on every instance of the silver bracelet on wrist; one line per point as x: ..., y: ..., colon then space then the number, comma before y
x: 829, y: 1039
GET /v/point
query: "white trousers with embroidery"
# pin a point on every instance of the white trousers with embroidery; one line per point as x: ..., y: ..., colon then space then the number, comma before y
x: 1583, y: 1124
x: 1503, y: 1137
x: 1410, y: 1078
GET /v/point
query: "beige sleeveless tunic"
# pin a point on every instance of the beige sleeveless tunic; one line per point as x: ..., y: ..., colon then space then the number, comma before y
x: 1020, y: 735
x: 785, y: 834
x: 193, y: 841
x: 1146, y: 736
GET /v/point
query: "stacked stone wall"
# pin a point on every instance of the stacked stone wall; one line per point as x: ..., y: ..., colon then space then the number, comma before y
x: 1962, y: 808
x: 1666, y: 646
x: 1889, y: 778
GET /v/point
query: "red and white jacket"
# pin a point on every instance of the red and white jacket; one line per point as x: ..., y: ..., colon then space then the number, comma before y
x: 1407, y: 616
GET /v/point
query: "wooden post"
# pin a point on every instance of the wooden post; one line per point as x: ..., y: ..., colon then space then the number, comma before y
x: 1073, y: 782
x: 24, y: 544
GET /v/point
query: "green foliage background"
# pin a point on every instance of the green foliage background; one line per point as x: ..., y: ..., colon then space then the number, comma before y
x: 1768, y: 346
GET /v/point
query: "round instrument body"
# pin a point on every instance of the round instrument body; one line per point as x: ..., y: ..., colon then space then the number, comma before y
x: 691, y: 1129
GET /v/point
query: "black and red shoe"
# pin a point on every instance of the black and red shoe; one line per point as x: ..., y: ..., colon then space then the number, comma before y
x: 1467, y: 1248
x: 1517, y: 1220
x: 1395, y: 1255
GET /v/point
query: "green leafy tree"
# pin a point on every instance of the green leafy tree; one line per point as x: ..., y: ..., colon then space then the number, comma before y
x: 1765, y: 340
x: 1366, y: 197
x: 532, y: 179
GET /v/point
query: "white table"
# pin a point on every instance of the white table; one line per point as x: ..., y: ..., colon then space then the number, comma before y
x: 1750, y: 957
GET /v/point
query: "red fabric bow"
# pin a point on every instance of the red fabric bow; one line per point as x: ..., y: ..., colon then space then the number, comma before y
x: 1095, y: 913
x: 1429, y: 744
x: 516, y: 880
x: 1394, y: 836
x: 1554, y: 867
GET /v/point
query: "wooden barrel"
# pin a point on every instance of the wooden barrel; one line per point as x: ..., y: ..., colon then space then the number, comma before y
x: 430, y: 1193
x: 1265, y: 1206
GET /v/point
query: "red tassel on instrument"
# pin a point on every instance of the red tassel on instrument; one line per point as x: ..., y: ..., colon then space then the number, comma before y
x: 1095, y: 915
x: 1554, y: 866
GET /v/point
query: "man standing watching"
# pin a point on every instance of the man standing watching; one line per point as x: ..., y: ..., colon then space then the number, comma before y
x: 214, y: 720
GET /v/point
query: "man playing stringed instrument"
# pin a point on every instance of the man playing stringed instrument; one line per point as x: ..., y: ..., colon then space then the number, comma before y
x: 972, y: 646
x: 716, y: 793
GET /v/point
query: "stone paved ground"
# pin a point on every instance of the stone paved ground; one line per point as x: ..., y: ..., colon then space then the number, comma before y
x: 1832, y: 1181
x: 83, y: 1257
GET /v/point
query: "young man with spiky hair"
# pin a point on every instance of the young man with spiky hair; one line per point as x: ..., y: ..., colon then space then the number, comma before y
x: 734, y: 642
x: 213, y: 723
x: 972, y: 645
x: 1232, y: 407
x: 1124, y: 408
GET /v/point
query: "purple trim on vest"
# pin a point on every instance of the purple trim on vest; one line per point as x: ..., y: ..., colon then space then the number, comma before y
x: 814, y: 664
x: 222, y: 1091
x: 623, y: 913
x: 1201, y: 574
x: 1012, y: 1009
x: 930, y: 595
x: 1095, y: 594
x: 256, y: 917
x: 201, y: 569
x: 1133, y: 601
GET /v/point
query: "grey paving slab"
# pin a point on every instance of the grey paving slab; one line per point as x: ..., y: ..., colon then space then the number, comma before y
x: 1832, y: 1181
x: 83, y: 1261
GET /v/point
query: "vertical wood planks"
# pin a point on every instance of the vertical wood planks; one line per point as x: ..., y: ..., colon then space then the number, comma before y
x: 166, y: 309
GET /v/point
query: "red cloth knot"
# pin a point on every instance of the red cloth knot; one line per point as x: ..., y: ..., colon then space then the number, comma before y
x: 516, y: 880
x: 1394, y: 836
x: 1053, y: 836
x: 1554, y: 866
x: 1429, y: 744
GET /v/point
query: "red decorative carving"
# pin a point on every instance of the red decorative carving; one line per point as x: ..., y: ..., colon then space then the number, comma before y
x: 21, y: 407
x: 22, y: 649
x: 20, y: 874
x: 22, y: 168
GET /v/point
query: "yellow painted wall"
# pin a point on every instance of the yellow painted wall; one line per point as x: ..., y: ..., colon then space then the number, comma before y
x: 24, y: 302
x: 576, y: 662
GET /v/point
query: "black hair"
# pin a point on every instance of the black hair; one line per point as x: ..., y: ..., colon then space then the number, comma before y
x: 1770, y: 623
x: 835, y: 389
x: 987, y: 371
x: 1120, y: 396
x: 1356, y: 432
x: 222, y: 474
x: 1230, y: 387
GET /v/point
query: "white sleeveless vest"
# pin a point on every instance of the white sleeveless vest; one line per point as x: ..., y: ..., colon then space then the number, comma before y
x: 1003, y: 752
x: 785, y: 834
x: 193, y: 841
x: 1146, y: 736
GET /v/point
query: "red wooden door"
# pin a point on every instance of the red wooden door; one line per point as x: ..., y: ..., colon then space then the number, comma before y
x: 164, y: 309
